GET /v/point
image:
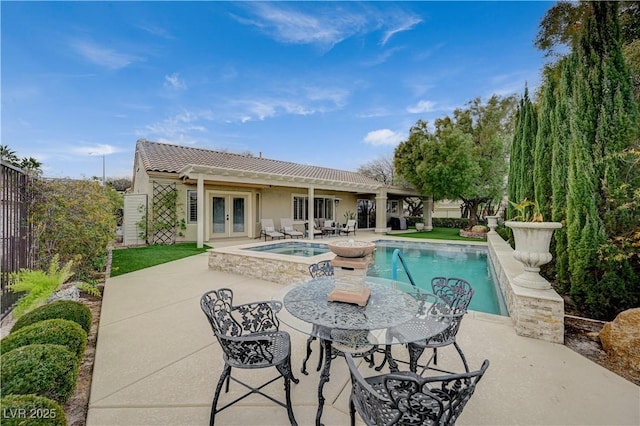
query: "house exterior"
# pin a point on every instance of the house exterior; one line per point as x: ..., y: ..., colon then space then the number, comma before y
x: 224, y: 195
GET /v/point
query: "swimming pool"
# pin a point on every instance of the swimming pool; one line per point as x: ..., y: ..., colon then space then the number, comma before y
x: 428, y: 260
x: 293, y: 248
x: 288, y: 261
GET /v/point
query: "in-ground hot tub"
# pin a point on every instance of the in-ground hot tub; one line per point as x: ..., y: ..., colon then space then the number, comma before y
x: 284, y: 262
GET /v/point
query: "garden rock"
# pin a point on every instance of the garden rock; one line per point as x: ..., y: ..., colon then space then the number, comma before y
x: 70, y: 293
x: 621, y: 339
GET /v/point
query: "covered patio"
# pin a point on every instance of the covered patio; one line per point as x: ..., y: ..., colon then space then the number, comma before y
x: 157, y: 362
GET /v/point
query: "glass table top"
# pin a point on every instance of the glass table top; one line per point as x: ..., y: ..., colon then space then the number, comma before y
x: 395, y: 313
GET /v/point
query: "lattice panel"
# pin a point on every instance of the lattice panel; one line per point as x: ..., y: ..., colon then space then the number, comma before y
x: 164, y: 213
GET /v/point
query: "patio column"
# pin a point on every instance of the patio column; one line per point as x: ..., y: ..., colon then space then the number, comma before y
x: 381, y: 211
x: 311, y: 212
x: 200, y: 207
x: 427, y: 213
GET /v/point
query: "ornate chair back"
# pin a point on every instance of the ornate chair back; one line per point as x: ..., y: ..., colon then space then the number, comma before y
x: 321, y: 269
x: 407, y: 398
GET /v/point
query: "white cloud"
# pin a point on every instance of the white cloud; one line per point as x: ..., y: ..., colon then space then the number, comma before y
x: 178, y: 126
x: 422, y: 107
x: 96, y: 149
x: 326, y: 25
x: 174, y: 82
x: 103, y: 56
x: 407, y: 23
x: 383, y: 137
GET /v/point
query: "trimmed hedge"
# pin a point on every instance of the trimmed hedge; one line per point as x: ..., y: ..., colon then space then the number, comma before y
x: 31, y: 410
x: 46, y: 370
x: 62, y: 309
x: 450, y: 222
x: 54, y: 331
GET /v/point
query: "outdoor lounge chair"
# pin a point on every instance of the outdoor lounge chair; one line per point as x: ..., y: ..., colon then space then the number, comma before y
x: 268, y: 229
x: 349, y: 227
x: 329, y: 228
x: 288, y: 229
x: 250, y: 339
x: 407, y: 398
x: 316, y: 232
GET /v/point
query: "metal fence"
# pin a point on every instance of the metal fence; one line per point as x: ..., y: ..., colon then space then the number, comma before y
x: 16, y: 251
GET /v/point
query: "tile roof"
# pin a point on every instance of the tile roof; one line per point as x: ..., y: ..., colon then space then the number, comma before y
x: 161, y: 157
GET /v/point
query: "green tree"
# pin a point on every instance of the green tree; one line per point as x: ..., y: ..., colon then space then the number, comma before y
x: 29, y: 165
x: 74, y: 219
x: 464, y: 158
x: 527, y: 129
x: 559, y: 160
x: 604, y: 124
x: 563, y: 25
x: 543, y: 148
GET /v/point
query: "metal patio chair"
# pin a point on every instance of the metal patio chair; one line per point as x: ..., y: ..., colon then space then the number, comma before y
x: 406, y: 398
x: 250, y: 339
x: 324, y: 269
x: 320, y: 269
x: 457, y: 293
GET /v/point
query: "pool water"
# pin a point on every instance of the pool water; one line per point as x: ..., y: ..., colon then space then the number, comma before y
x: 426, y: 260
x: 293, y: 248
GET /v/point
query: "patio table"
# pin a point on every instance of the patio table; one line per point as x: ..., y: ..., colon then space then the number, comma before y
x: 351, y: 328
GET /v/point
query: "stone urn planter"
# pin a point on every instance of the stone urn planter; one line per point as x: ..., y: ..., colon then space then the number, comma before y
x: 350, y: 265
x: 419, y: 226
x: 492, y: 223
x: 532, y: 250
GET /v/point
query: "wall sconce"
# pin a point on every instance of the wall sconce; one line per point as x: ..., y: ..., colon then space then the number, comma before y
x: 337, y: 201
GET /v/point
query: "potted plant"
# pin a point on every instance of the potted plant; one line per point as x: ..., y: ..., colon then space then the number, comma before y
x: 532, y: 237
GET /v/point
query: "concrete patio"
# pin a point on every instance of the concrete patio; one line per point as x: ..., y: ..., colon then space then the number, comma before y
x: 157, y: 363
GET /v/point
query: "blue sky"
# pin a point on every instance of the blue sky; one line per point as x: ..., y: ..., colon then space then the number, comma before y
x: 325, y: 83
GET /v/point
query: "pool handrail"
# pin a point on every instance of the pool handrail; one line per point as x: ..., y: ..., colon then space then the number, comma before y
x: 397, y: 255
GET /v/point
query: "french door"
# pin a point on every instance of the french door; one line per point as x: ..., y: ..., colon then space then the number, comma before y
x: 229, y: 215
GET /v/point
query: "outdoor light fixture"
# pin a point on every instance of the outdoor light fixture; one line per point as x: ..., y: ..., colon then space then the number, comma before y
x: 104, y: 181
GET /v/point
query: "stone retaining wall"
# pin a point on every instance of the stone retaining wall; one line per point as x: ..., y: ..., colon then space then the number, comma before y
x: 274, y: 270
x: 534, y: 313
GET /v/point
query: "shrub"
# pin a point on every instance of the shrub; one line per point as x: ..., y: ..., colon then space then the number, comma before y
x: 54, y: 331
x: 62, y: 309
x: 74, y: 219
x: 46, y: 370
x: 31, y: 410
x: 39, y: 285
x: 450, y: 222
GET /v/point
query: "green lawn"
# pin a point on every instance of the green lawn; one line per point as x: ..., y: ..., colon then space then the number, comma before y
x: 132, y: 259
x: 439, y: 234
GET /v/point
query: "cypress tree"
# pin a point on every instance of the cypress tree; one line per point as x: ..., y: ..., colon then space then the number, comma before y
x: 603, y: 124
x: 560, y: 134
x: 544, y: 148
x: 515, y: 161
x: 528, y: 127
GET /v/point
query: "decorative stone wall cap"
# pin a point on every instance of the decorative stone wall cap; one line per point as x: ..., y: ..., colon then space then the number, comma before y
x: 533, y: 225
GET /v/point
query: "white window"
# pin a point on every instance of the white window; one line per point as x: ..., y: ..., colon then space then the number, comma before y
x: 322, y: 208
x: 192, y: 206
x: 299, y: 208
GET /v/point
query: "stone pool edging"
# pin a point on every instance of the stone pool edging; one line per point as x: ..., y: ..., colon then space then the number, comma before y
x: 538, y: 314
x: 534, y: 313
x: 275, y: 268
